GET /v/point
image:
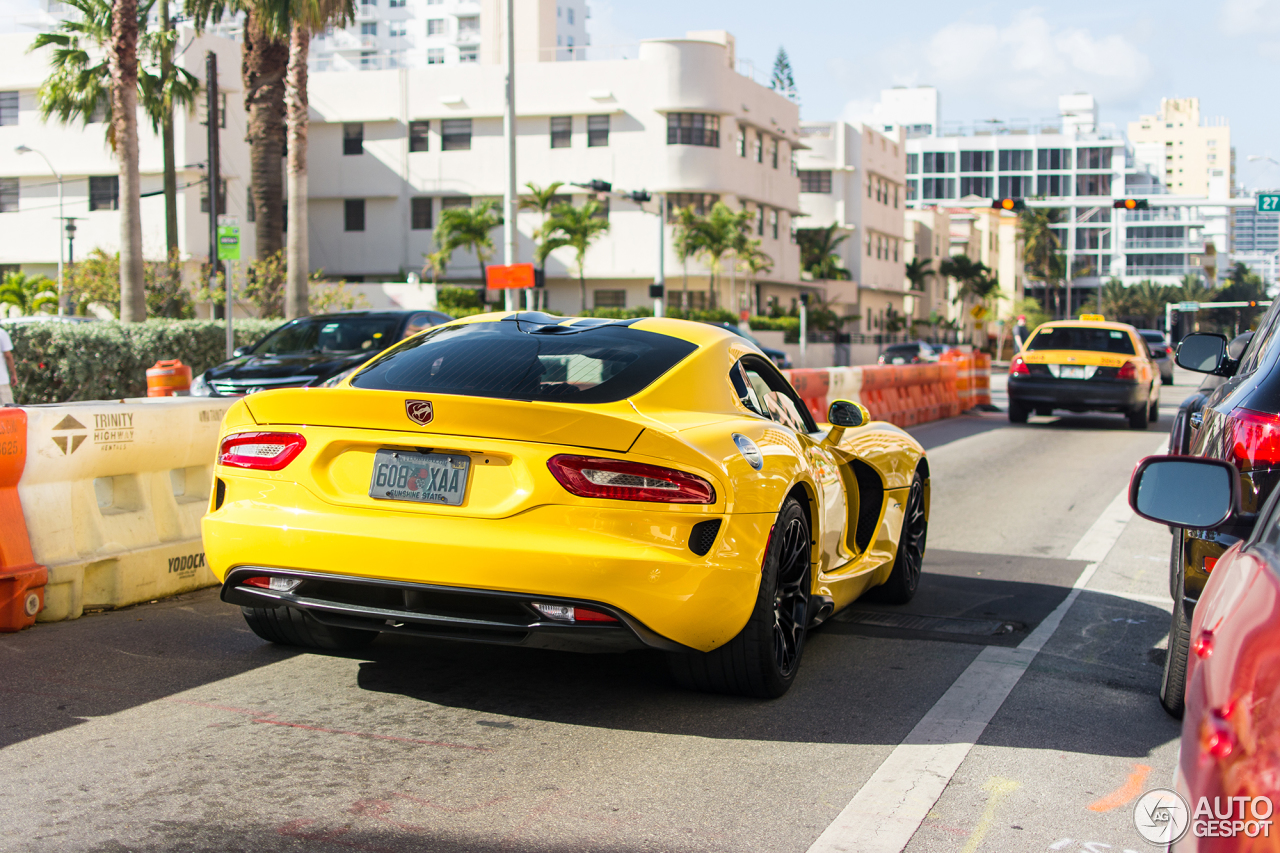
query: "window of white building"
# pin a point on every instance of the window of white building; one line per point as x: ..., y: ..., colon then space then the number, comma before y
x: 418, y: 138
x: 815, y: 180
x: 468, y: 54
x: 693, y: 129
x: 609, y: 298
x: 352, y: 138
x: 420, y: 213
x: 8, y: 108
x: 353, y: 214
x: 435, y: 56
x: 8, y: 195
x: 597, y: 131
x: 395, y: 29
x: 104, y: 192
x: 455, y: 134
x: 435, y: 26
x: 369, y: 29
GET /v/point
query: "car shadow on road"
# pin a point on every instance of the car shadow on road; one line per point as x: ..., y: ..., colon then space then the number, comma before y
x: 859, y: 684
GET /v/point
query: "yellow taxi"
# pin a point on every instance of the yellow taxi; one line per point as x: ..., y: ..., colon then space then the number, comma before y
x: 1086, y: 365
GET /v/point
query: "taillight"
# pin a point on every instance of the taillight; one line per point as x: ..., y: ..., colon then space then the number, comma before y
x: 590, y: 477
x: 1128, y: 370
x: 1216, y: 740
x: 1209, y: 563
x: 1018, y: 367
x: 1203, y: 645
x: 260, y: 451
x: 571, y: 613
x: 275, y: 584
x: 1255, y: 439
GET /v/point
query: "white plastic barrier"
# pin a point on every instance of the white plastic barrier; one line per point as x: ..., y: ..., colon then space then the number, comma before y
x: 113, y: 493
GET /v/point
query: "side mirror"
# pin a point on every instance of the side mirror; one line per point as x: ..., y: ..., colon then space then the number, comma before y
x: 1185, y: 491
x: 1203, y: 353
x: 239, y: 351
x: 842, y: 415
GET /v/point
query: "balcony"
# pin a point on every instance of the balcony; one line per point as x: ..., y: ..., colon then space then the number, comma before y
x: 470, y: 35
x: 1176, y: 244
x: 1160, y: 272
x: 366, y: 13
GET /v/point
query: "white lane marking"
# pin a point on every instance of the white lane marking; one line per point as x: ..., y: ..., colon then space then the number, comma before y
x: 1136, y: 596
x: 889, y: 808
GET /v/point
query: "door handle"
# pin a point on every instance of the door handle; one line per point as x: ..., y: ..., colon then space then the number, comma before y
x: 1197, y: 418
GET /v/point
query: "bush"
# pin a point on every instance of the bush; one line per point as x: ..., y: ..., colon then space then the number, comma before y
x: 713, y: 315
x: 64, y: 362
x: 459, y: 302
x: 784, y: 323
x: 617, y: 313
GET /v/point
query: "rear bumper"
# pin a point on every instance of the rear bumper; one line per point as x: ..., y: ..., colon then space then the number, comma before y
x: 1077, y: 394
x: 449, y: 613
x: 637, y: 562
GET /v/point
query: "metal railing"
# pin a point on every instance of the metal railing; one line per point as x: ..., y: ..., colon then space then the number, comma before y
x: 1176, y: 243
x: 1148, y: 272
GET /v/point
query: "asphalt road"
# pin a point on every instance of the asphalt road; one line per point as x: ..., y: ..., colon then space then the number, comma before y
x: 170, y: 727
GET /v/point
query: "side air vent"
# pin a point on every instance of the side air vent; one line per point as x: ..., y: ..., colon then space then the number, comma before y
x: 220, y: 493
x: 703, y: 536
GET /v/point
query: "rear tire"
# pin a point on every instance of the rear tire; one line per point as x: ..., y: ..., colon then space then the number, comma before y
x: 1018, y: 413
x: 1138, y: 417
x: 763, y: 659
x: 1153, y: 414
x: 1173, y: 685
x: 904, y: 579
x: 289, y: 626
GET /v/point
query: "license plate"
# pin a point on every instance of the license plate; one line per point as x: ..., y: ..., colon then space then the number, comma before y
x: 434, y: 478
x: 1067, y: 372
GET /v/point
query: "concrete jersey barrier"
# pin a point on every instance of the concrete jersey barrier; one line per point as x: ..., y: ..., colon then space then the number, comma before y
x: 112, y: 495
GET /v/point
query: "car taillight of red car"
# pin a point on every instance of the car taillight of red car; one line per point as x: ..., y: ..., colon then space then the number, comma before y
x: 1255, y: 439
x: 1128, y: 371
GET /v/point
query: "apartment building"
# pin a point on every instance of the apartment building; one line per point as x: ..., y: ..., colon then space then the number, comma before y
x: 1256, y: 240
x: 853, y: 176
x: 79, y: 157
x: 1185, y: 151
x: 927, y: 237
x: 418, y: 33
x: 390, y: 149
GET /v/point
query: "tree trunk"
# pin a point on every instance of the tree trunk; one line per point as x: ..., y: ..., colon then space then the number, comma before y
x: 170, y: 159
x: 299, y: 261
x: 124, y: 116
x: 263, y: 67
x: 582, y: 283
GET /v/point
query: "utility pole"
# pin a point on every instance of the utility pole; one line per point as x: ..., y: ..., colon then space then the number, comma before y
x: 511, y: 202
x: 212, y: 173
x: 660, y: 280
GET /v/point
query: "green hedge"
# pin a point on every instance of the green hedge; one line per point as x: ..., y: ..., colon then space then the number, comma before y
x: 63, y: 362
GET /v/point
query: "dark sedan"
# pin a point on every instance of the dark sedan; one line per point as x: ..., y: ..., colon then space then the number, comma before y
x: 1161, y: 353
x: 310, y: 351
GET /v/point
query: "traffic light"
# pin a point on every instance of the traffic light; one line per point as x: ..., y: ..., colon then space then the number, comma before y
x: 599, y: 186
x: 1009, y: 204
x: 639, y: 196
x: 1130, y: 203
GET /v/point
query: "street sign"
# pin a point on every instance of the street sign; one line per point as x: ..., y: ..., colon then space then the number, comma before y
x: 228, y: 238
x: 503, y: 276
x: 1269, y: 202
x: 1188, y: 306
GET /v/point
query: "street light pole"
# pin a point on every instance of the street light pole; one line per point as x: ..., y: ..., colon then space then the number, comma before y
x: 509, y: 127
x: 660, y: 280
x: 22, y: 149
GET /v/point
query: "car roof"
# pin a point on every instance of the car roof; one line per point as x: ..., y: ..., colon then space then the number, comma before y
x: 1152, y: 333
x: 1086, y: 324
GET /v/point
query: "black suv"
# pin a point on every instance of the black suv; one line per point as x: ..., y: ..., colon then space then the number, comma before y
x: 1239, y: 421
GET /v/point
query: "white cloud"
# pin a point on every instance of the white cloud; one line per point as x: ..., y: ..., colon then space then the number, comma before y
x: 1249, y: 17
x: 1030, y: 61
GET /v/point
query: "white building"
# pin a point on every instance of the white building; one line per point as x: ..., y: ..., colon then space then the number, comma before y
x: 390, y: 149
x: 417, y: 33
x: 29, y: 210
x: 853, y: 176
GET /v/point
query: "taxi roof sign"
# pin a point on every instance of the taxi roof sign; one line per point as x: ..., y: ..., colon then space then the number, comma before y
x: 1092, y: 318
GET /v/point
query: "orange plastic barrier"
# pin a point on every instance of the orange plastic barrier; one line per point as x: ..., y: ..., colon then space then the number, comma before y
x: 22, y: 581
x: 167, y: 378
x: 982, y: 380
x: 965, y: 387
x: 812, y: 386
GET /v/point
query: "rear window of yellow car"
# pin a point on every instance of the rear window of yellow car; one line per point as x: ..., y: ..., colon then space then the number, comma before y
x: 1082, y: 338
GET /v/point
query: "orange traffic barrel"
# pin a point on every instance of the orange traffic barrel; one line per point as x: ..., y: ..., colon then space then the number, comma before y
x: 167, y: 378
x: 22, y: 580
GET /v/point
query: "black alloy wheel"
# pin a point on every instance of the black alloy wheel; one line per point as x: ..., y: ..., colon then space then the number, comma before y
x: 904, y: 579
x: 763, y: 659
x: 791, y: 596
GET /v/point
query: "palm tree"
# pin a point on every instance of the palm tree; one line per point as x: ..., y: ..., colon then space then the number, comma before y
x: 1149, y: 300
x: 722, y: 231
x: 264, y: 60
x: 468, y: 228
x: 1041, y: 248
x: 687, y: 240
x: 578, y: 227
x: 91, y: 57
x: 300, y: 18
x: 1117, y: 300
x: 918, y: 272
x: 542, y: 199
x: 818, y: 255
x: 29, y: 294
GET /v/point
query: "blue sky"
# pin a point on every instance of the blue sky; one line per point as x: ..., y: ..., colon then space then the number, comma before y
x: 1002, y: 60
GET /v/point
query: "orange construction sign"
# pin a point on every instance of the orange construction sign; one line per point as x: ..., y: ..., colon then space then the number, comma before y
x: 501, y: 277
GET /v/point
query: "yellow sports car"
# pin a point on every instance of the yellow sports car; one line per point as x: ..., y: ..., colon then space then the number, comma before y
x: 582, y: 484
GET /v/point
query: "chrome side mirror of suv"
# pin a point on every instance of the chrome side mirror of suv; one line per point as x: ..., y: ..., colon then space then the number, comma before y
x: 1203, y: 353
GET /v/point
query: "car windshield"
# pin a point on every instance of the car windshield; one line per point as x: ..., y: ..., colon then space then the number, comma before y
x: 1153, y: 337
x: 1081, y: 338
x: 330, y: 335
x: 519, y: 361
